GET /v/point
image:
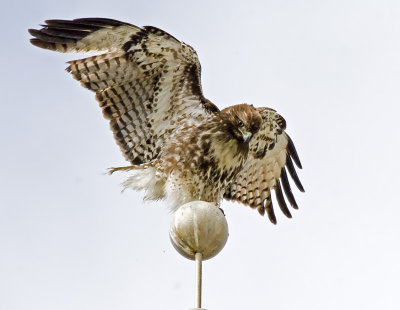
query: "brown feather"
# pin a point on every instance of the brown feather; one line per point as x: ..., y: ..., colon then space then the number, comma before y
x: 293, y: 174
x: 287, y: 189
x: 281, y: 200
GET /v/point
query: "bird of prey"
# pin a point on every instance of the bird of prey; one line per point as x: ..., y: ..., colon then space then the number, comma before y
x: 180, y: 145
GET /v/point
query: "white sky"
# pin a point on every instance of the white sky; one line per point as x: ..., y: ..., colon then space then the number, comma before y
x: 70, y: 240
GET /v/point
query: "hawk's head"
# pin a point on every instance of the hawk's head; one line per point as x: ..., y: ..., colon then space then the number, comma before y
x: 240, y: 122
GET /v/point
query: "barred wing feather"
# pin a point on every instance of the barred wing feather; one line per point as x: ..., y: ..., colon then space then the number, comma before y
x: 146, y: 81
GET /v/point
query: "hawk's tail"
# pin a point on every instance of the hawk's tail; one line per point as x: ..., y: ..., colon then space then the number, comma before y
x: 147, y: 179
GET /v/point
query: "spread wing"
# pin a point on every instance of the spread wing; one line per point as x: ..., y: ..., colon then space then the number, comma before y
x: 271, y: 156
x: 146, y: 81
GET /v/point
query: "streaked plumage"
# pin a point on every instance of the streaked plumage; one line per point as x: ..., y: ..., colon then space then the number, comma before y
x: 180, y: 145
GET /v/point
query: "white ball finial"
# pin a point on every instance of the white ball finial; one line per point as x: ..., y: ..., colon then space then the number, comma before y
x: 198, y: 227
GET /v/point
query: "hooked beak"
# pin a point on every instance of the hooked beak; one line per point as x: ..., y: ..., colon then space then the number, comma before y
x: 246, y: 136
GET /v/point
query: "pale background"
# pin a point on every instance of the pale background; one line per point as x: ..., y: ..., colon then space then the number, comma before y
x: 70, y: 240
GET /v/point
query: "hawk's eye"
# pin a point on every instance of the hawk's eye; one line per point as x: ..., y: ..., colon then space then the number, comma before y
x: 240, y: 123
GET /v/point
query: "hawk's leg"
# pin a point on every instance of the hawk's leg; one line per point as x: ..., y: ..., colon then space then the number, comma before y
x: 134, y: 167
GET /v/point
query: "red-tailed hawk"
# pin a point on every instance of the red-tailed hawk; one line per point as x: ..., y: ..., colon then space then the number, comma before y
x: 180, y: 145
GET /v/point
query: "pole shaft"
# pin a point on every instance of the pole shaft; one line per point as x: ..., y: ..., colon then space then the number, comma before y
x: 198, y: 258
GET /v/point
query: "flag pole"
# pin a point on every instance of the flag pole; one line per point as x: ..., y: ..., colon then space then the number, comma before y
x: 198, y: 259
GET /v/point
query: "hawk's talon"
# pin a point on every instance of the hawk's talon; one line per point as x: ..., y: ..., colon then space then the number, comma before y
x: 114, y: 169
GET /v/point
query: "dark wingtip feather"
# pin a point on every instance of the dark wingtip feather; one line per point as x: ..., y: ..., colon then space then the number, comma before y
x: 42, y: 44
x: 293, y: 153
x: 70, y: 24
x: 287, y: 189
x: 44, y: 36
x: 59, y: 31
x: 293, y: 174
x: 32, y: 31
x: 261, y: 210
x: 87, y: 23
x: 281, y: 200
x: 65, y: 33
x: 270, y: 211
x: 99, y: 21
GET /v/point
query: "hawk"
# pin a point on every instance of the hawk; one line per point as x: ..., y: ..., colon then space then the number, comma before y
x: 180, y: 145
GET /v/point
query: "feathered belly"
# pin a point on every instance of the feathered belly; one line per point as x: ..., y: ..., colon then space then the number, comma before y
x: 194, y: 186
x: 204, y: 178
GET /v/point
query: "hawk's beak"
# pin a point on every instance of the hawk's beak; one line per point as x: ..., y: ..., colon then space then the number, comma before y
x: 246, y: 136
